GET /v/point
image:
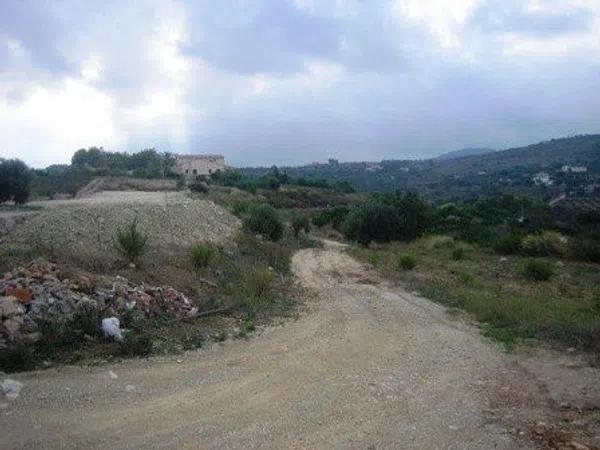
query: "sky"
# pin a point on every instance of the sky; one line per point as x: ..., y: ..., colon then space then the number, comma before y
x: 290, y: 82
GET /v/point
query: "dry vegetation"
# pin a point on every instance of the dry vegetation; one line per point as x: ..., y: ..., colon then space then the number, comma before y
x: 497, y: 290
x: 235, y: 279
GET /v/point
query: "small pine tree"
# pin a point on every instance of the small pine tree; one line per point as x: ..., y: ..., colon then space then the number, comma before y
x: 131, y: 242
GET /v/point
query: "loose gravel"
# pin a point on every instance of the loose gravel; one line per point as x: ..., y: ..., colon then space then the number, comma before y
x: 83, y: 230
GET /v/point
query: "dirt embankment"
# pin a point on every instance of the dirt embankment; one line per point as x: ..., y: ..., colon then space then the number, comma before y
x: 82, y: 230
x: 101, y: 184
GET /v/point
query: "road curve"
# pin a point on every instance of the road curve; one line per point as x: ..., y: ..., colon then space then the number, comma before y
x: 366, y: 366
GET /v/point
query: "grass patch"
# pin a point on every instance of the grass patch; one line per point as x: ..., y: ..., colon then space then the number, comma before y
x: 200, y: 256
x: 458, y: 253
x: 538, y: 270
x: 565, y: 309
x: 407, y: 261
x: 19, y: 208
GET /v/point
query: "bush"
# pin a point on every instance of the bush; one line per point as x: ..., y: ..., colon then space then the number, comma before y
x: 87, y: 319
x: 546, y: 243
x: 264, y: 220
x: 15, y: 180
x: 180, y: 184
x: 300, y: 223
x: 270, y: 253
x: 438, y: 241
x: 458, y: 253
x: 585, y: 250
x: 407, y: 261
x: 240, y: 207
x: 258, y: 289
x: 414, y: 216
x: 130, y: 242
x: 370, y: 222
x: 320, y: 219
x: 334, y: 216
x: 374, y: 258
x: 136, y: 344
x: 200, y: 255
x: 465, y: 277
x: 509, y: 244
x: 538, y: 270
x: 199, y: 187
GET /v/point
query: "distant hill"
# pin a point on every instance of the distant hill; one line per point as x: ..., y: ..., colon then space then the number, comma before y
x: 464, y: 152
x: 466, y: 177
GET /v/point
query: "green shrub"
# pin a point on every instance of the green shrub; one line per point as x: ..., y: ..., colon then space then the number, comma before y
x: 130, y: 242
x: 240, y: 207
x: 87, y: 319
x: 338, y: 215
x: 509, y: 244
x: 15, y: 181
x: 458, y: 253
x: 199, y: 187
x: 272, y: 254
x: 374, y: 258
x: 19, y: 357
x: 370, y: 222
x: 263, y: 219
x: 546, y: 243
x: 136, y: 344
x: 320, y: 218
x: 258, y: 289
x: 585, y: 250
x: 413, y: 215
x: 407, y: 261
x: 334, y: 216
x: 538, y: 270
x: 201, y: 255
x: 300, y: 223
x: 465, y: 277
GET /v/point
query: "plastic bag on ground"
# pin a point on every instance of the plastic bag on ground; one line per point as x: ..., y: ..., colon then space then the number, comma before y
x: 111, y: 328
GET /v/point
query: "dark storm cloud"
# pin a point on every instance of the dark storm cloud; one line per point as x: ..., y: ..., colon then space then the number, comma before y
x: 290, y: 81
x: 278, y: 37
x: 262, y: 37
x: 32, y: 24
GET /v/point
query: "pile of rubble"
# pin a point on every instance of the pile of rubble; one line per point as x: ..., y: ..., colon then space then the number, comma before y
x: 35, y: 296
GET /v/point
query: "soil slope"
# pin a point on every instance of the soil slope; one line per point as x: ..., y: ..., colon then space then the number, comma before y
x: 83, y: 230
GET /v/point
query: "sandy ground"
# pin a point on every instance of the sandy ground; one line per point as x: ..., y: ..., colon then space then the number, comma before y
x: 366, y: 366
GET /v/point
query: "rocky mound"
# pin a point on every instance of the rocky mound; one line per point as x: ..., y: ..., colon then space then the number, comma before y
x: 83, y: 232
x: 39, y: 298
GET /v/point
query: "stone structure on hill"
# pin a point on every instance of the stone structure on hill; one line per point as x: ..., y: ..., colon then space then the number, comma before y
x: 191, y: 166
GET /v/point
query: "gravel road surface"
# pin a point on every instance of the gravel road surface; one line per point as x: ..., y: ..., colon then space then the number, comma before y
x: 366, y: 366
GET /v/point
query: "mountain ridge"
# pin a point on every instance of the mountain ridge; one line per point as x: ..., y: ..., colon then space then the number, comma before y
x: 512, y: 169
x: 464, y: 152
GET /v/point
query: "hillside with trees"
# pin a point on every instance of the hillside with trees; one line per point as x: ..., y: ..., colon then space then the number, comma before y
x: 514, y: 170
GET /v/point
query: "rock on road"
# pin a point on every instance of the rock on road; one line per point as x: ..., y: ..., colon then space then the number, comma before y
x: 366, y: 366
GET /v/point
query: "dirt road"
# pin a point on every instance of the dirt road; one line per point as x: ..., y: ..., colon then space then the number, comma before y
x: 366, y: 366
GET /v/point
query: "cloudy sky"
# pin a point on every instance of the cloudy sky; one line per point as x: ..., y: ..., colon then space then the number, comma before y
x: 286, y: 82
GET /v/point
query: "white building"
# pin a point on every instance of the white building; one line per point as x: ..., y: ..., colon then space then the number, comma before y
x: 542, y: 179
x: 574, y: 169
